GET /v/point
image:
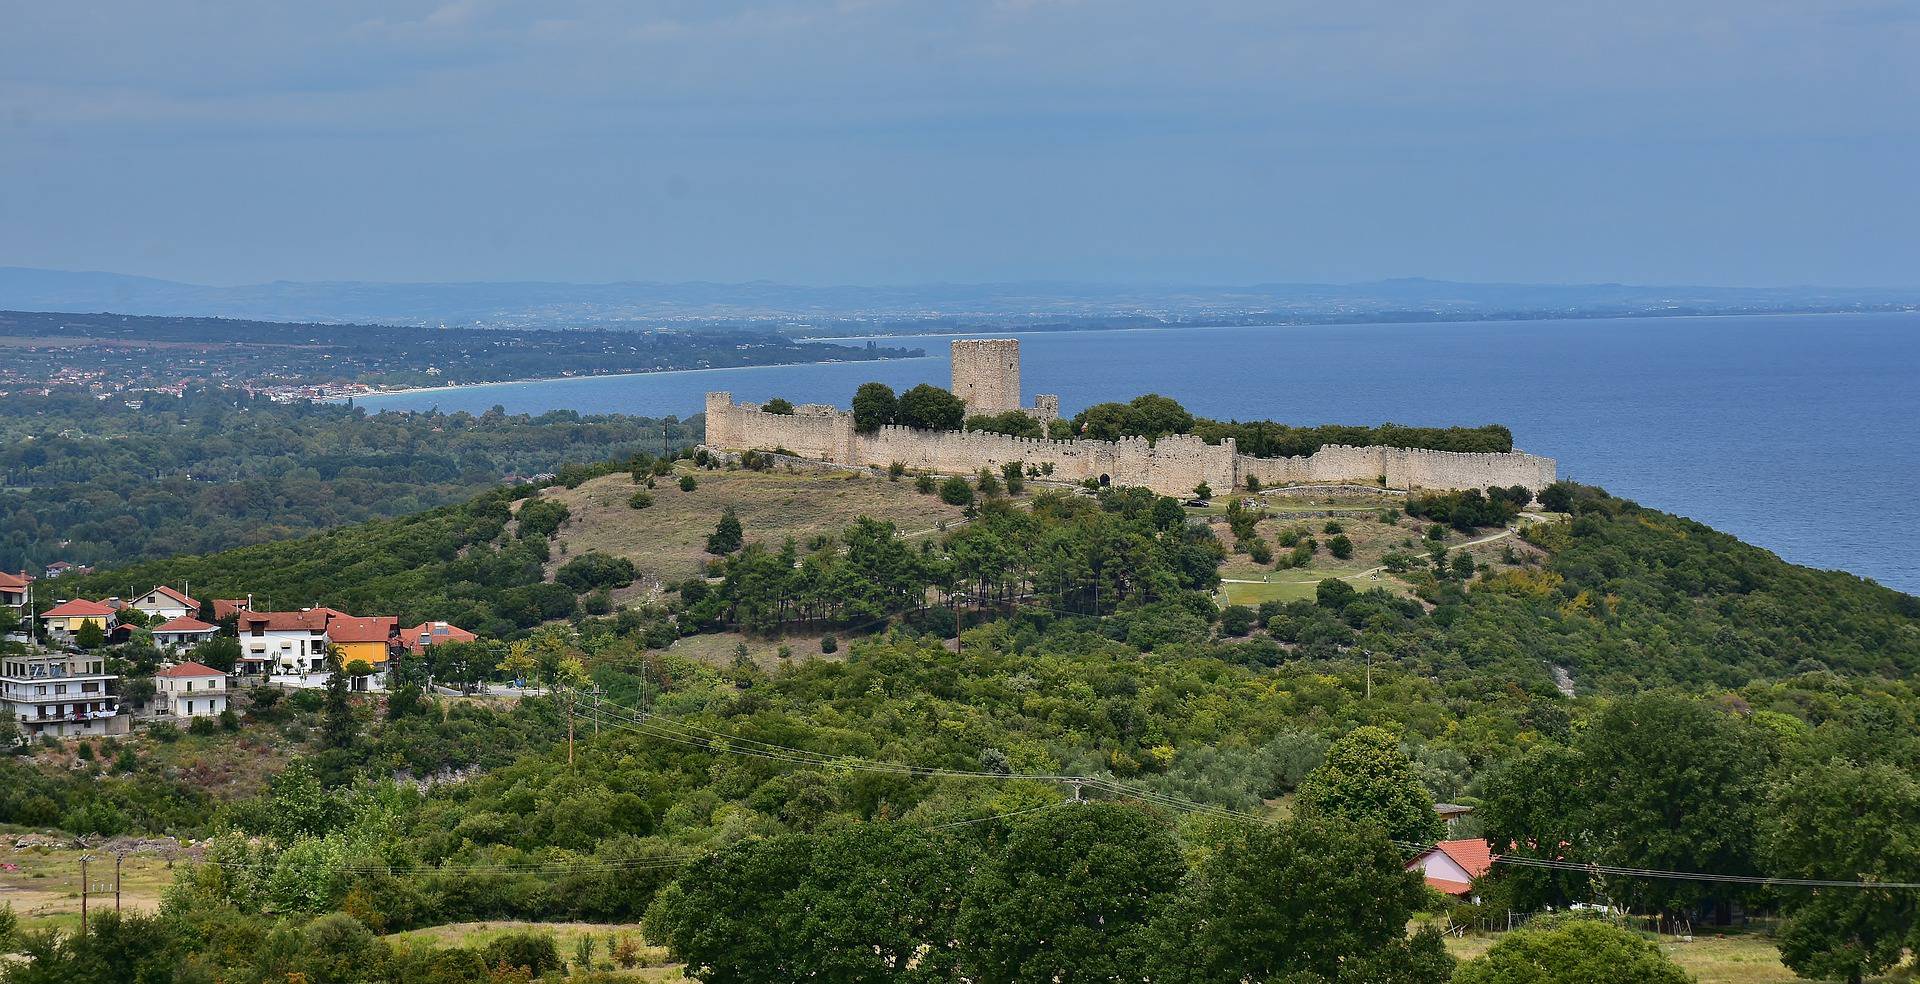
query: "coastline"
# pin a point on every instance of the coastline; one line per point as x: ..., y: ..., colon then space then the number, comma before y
x: 463, y: 387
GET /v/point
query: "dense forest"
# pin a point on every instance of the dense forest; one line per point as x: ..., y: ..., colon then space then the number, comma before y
x: 93, y: 481
x: 1250, y: 781
x: 121, y: 352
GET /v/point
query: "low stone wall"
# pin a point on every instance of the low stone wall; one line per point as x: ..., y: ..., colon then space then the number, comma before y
x: 1174, y: 465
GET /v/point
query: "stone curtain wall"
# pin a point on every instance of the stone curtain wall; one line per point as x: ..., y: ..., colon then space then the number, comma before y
x: 1403, y: 468
x: 986, y: 373
x: 1172, y: 466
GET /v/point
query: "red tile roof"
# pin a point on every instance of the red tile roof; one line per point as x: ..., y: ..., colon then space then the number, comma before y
x: 1473, y: 854
x: 14, y: 582
x: 162, y: 589
x: 432, y: 634
x: 185, y: 623
x: 189, y: 670
x: 1461, y: 889
x: 377, y: 628
x: 78, y: 607
x: 223, y: 607
x: 311, y: 620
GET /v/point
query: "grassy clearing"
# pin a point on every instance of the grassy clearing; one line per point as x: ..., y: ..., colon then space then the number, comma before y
x: 1713, y: 960
x: 43, y: 884
x: 654, y: 963
x: 667, y: 541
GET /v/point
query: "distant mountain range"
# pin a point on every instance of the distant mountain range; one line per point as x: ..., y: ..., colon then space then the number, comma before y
x: 542, y: 304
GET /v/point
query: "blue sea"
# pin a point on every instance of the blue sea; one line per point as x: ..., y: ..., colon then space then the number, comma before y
x: 1798, y: 433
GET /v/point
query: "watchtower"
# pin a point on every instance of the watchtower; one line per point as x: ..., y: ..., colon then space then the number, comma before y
x: 986, y: 374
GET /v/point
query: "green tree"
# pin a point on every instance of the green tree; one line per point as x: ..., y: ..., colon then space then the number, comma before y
x: 874, y: 407
x: 779, y: 405
x: 1340, y: 546
x: 929, y: 407
x: 1368, y: 778
x: 1069, y: 897
x: 1572, y: 951
x: 1684, y: 782
x: 688, y: 483
x: 1849, y: 822
x: 1536, y: 804
x: 337, y: 723
x: 222, y: 652
x: 1299, y: 898
x: 90, y: 636
x: 727, y: 535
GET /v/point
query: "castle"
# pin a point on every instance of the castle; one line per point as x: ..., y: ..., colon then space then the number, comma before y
x: 986, y: 375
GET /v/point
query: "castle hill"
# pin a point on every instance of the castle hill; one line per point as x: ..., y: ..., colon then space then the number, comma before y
x: 979, y: 423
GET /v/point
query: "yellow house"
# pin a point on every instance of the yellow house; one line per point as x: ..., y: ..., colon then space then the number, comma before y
x: 69, y: 617
x: 365, y: 639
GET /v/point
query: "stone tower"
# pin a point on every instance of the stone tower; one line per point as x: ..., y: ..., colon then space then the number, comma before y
x: 986, y: 374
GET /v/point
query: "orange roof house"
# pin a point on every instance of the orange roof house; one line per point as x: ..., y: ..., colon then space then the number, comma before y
x: 369, y: 639
x: 196, y: 670
x: 71, y: 616
x: 1452, y: 865
x: 418, y: 638
x: 13, y: 588
x: 163, y: 600
x: 227, y: 607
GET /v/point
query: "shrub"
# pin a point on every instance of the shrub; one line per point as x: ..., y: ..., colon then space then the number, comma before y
x: 924, y: 485
x: 727, y: 534
x: 1253, y: 483
x: 829, y: 644
x: 956, y: 492
x: 1203, y: 491
x: 1237, y: 620
x: 895, y: 470
x: 594, y: 569
x: 202, y: 726
x: 531, y: 952
x: 1258, y: 550
x: 640, y: 500
x: 1333, y: 526
x: 1340, y: 546
x: 687, y: 483
x: 85, y: 751
x: 988, y: 483
x: 229, y: 720
x: 165, y: 732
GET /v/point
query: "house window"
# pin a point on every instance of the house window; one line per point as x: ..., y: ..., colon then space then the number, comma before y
x: 59, y: 688
x: 189, y: 707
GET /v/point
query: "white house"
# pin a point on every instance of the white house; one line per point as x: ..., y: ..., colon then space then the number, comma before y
x: 285, y: 642
x: 184, y: 632
x: 190, y: 690
x: 1452, y: 865
x: 165, y: 603
x: 60, y: 694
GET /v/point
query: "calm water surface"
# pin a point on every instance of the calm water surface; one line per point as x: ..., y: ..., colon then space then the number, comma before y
x: 1800, y: 433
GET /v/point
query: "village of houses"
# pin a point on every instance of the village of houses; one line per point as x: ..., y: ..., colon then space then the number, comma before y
x: 60, y: 686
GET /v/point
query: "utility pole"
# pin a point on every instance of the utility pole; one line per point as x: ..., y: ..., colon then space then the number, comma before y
x: 116, y: 882
x: 1369, y: 653
x: 84, y: 858
x: 572, y: 696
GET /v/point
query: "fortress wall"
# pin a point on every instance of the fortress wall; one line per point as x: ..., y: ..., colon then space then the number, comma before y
x: 1403, y: 468
x: 1410, y: 468
x: 1172, y: 466
x: 745, y: 426
x: 966, y: 452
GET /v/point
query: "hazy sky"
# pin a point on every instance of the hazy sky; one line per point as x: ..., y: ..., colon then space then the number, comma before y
x: 866, y: 141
